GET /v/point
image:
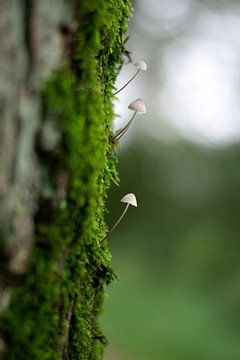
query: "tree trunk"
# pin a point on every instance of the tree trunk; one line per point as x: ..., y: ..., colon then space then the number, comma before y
x: 58, y: 64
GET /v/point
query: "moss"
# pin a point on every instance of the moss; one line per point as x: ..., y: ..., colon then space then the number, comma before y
x: 54, y: 307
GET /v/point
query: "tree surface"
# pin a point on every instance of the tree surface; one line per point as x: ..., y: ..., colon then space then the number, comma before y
x: 59, y: 61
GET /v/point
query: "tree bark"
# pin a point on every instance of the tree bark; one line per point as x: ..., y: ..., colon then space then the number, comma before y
x: 58, y: 63
x: 31, y: 48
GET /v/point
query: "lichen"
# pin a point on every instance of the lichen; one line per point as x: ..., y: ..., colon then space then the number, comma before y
x: 55, y: 305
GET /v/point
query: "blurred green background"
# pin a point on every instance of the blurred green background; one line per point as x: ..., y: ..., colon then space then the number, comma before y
x: 177, y: 254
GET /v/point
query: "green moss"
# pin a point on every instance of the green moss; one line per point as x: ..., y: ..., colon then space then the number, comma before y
x: 69, y: 264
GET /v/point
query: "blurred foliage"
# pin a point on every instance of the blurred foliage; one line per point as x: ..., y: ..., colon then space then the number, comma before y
x: 177, y: 254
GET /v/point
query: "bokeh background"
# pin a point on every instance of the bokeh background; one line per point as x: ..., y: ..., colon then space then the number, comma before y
x: 177, y: 255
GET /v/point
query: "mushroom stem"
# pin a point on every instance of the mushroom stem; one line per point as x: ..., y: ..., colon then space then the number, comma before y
x: 123, y: 87
x: 121, y: 132
x: 116, y: 223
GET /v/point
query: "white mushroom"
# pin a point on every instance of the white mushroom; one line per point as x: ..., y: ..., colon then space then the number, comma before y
x: 139, y: 107
x: 129, y: 199
x: 141, y: 65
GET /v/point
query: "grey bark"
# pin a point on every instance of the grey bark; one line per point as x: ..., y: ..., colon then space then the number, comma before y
x: 31, y: 48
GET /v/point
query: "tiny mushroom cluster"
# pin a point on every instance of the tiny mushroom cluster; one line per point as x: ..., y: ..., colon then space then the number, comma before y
x: 138, y: 107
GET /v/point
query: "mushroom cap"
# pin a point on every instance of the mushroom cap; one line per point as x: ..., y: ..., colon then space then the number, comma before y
x: 138, y: 105
x: 141, y: 65
x: 130, y: 199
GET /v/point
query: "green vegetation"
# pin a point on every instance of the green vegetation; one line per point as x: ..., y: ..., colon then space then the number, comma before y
x: 69, y: 265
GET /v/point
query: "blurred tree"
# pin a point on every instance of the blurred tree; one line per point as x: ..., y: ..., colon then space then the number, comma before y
x: 59, y: 61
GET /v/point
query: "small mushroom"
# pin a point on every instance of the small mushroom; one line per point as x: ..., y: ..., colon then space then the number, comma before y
x: 141, y: 65
x: 139, y: 107
x: 128, y: 199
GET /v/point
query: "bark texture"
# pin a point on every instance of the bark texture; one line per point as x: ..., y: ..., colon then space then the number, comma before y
x: 31, y: 48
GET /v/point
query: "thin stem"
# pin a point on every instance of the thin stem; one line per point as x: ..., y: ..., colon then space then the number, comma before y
x: 124, y: 130
x: 133, y: 77
x: 120, y: 133
x: 116, y: 223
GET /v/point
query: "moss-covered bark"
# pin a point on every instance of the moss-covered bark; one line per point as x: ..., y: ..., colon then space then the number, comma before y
x: 55, y: 302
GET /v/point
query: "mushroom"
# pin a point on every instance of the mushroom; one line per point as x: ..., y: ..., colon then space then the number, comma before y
x: 129, y: 199
x: 139, y: 107
x: 141, y: 65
